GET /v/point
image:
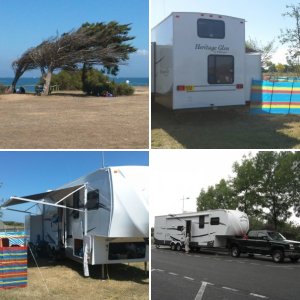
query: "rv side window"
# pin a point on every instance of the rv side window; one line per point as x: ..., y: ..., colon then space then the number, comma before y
x: 214, y: 221
x: 220, y: 69
x: 179, y: 228
x: 212, y: 29
x: 93, y: 200
x: 201, y: 221
x: 76, y: 200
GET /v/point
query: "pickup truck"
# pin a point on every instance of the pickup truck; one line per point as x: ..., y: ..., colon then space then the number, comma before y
x: 265, y: 242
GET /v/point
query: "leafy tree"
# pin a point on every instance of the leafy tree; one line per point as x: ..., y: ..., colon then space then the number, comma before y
x: 278, y: 184
x: 281, y: 68
x: 219, y: 196
x: 245, y: 185
x: 291, y: 36
x: 266, y: 187
x: 266, y: 50
x: 92, y: 44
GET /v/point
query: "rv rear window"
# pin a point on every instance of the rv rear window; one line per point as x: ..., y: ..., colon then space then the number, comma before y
x: 212, y: 29
x: 214, y: 221
x: 220, y: 69
x: 201, y: 221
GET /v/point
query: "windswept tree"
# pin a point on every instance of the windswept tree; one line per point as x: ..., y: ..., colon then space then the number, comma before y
x: 92, y: 44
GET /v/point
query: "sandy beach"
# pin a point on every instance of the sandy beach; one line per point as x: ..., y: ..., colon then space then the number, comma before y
x: 70, y: 120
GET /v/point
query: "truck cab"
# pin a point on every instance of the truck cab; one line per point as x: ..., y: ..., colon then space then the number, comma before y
x: 266, y: 242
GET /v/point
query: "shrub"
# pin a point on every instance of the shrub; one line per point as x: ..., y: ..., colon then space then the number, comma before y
x: 97, y: 84
x: 124, y: 89
x: 67, y: 80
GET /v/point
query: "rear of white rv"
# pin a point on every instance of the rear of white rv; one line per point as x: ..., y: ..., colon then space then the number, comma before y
x: 128, y: 237
x: 208, y: 60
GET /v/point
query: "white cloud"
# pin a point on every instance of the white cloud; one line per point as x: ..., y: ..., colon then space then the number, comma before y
x: 142, y: 52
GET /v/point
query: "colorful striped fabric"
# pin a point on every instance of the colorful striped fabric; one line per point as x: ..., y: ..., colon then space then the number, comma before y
x: 275, y: 97
x: 15, y: 238
x: 13, y: 267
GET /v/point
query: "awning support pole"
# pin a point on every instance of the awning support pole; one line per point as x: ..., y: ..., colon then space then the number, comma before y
x: 46, y: 203
x: 86, y: 248
x: 62, y: 199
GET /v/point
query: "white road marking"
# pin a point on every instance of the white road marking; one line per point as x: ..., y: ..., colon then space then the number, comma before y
x: 259, y: 296
x: 240, y: 262
x: 171, y: 273
x: 189, y: 278
x: 158, y: 270
x: 230, y: 289
x: 202, y: 290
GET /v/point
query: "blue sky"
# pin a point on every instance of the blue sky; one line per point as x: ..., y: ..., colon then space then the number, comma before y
x: 264, y: 17
x: 29, y: 172
x: 25, y: 24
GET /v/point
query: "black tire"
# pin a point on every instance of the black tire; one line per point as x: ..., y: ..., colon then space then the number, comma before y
x: 235, y: 251
x: 157, y: 246
x: 173, y: 247
x: 278, y: 256
x: 294, y: 259
x: 250, y: 255
x: 178, y: 247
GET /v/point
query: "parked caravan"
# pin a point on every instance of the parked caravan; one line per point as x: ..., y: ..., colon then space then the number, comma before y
x: 101, y: 218
x: 199, y: 60
x: 209, y: 228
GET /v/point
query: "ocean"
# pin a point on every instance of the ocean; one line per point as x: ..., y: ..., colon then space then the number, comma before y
x: 29, y: 83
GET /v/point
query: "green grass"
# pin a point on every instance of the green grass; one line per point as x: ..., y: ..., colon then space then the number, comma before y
x: 223, y: 128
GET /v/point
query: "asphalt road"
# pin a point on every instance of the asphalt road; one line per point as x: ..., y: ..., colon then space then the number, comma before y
x: 200, y: 276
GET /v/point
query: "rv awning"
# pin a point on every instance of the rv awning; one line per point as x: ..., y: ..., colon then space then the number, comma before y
x: 57, y: 196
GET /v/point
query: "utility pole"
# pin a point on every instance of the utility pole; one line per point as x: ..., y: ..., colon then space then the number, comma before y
x: 184, y: 198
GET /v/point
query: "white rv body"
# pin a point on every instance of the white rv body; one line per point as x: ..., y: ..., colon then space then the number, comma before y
x: 206, y: 228
x: 192, y: 68
x: 106, y: 210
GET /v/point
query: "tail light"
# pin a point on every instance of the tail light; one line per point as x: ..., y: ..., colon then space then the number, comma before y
x: 239, y: 86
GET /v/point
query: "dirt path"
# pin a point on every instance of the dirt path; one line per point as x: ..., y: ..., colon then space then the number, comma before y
x: 71, y: 121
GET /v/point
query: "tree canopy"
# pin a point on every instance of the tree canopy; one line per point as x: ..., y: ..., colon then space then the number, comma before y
x: 92, y: 44
x: 291, y: 36
x: 266, y: 186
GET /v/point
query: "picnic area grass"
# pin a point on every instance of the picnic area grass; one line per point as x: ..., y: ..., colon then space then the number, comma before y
x: 223, y: 128
x: 71, y: 120
x: 65, y: 281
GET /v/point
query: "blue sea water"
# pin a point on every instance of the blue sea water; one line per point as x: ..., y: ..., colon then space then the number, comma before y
x: 29, y: 83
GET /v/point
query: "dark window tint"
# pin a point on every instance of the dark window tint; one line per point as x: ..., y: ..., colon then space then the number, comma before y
x: 214, y: 221
x: 179, y: 228
x: 93, y: 200
x: 213, y: 29
x: 126, y: 250
x: 252, y: 234
x: 76, y: 200
x: 201, y: 221
x: 220, y: 69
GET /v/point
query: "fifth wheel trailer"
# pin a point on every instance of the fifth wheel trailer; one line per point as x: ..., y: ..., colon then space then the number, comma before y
x: 210, y: 228
x: 100, y: 218
x: 199, y: 60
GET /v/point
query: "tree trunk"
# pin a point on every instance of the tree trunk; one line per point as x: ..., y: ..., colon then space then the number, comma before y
x: 47, y: 83
x: 12, y: 88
